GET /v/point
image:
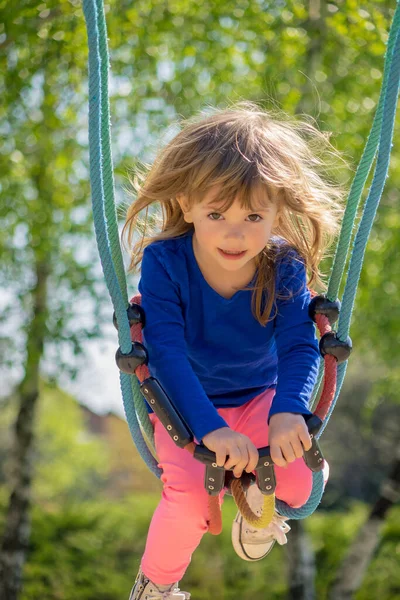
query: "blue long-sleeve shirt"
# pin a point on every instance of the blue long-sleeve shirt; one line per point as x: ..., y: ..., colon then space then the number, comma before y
x: 210, y: 352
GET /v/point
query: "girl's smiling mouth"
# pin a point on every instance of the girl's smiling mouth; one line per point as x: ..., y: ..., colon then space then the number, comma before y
x: 232, y: 254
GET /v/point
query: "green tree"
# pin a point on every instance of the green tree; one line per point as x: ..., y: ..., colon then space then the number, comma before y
x: 45, y: 219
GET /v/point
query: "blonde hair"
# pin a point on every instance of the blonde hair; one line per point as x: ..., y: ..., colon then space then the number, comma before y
x: 239, y: 149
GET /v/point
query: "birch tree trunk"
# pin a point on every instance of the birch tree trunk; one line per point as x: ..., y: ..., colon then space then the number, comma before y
x: 352, y: 570
x: 301, y: 564
x: 17, y: 522
x: 316, y: 31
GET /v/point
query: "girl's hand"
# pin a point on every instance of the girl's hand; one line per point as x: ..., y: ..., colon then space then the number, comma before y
x: 288, y: 438
x: 233, y: 450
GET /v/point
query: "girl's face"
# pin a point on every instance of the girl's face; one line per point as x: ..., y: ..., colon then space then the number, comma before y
x: 230, y: 239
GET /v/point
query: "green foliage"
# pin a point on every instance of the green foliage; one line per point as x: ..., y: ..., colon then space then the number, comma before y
x: 86, y: 551
x: 71, y: 463
x: 44, y: 212
x: 383, y: 575
x: 93, y: 550
x: 332, y: 534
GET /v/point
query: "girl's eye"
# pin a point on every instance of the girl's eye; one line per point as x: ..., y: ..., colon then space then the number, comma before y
x: 254, y: 218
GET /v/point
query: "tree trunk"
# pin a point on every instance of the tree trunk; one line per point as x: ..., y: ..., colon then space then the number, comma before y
x: 301, y: 564
x: 301, y: 574
x: 17, y: 523
x: 352, y: 570
x: 316, y: 30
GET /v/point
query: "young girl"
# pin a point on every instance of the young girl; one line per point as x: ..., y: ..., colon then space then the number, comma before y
x: 245, y: 215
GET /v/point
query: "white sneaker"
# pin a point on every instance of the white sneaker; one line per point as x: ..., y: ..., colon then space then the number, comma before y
x: 254, y: 544
x: 144, y: 589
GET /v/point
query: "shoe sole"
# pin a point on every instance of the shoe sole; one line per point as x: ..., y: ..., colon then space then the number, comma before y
x: 240, y: 547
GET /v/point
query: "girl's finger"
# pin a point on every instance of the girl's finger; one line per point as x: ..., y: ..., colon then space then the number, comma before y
x: 220, y: 455
x: 277, y: 456
x: 288, y: 452
x: 305, y: 438
x: 297, y: 448
x: 238, y: 470
x: 235, y: 456
x: 253, y: 459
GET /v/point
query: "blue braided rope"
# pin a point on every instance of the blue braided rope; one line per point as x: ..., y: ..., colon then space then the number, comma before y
x: 108, y: 172
x: 311, y: 505
x: 362, y: 172
x: 96, y: 178
x: 356, y: 190
x: 110, y: 209
x: 360, y: 243
x: 372, y: 202
x: 371, y: 206
x: 98, y: 202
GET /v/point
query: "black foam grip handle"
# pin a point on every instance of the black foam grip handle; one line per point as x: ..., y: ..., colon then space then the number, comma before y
x: 206, y: 456
x: 265, y: 473
x: 314, y: 458
x: 166, y: 412
x: 214, y: 478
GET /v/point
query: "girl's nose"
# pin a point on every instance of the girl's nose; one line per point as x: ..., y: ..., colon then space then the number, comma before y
x: 234, y: 232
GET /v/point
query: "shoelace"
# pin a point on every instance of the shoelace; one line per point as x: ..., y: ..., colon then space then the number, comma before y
x: 179, y: 591
x: 165, y: 595
x: 277, y: 529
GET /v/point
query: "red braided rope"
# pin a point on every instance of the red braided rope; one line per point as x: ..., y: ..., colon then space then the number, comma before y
x: 330, y: 375
x: 142, y: 372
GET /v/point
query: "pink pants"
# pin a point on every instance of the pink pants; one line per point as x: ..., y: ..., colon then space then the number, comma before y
x: 180, y: 520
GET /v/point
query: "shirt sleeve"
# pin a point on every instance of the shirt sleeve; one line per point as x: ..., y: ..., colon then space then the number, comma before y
x: 164, y: 338
x: 296, y: 342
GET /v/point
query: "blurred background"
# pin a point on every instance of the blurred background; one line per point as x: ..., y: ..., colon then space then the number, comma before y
x: 75, y: 498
